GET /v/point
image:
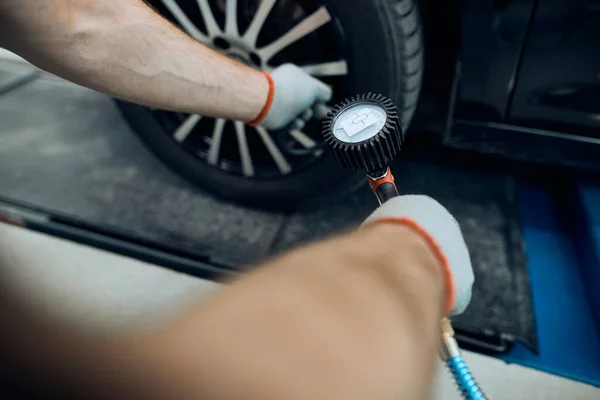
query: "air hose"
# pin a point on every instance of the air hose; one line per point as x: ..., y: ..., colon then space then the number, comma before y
x: 451, y: 357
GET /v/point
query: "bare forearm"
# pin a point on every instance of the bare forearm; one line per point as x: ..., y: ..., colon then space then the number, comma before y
x: 127, y: 50
x: 353, y: 318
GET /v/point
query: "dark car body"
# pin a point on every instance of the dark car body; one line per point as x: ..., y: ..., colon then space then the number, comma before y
x: 516, y: 78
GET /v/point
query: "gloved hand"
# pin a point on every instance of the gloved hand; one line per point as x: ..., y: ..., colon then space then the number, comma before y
x: 438, y: 227
x: 293, y: 93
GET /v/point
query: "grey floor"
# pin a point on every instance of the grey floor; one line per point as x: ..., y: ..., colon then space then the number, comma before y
x: 104, y: 293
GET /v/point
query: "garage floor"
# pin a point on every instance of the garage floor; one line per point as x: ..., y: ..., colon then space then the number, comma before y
x: 93, y: 290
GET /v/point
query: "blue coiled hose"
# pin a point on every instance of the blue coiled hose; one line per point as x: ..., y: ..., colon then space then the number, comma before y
x: 464, y: 380
x: 450, y: 355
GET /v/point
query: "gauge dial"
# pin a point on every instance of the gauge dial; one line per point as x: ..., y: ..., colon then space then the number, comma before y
x: 364, y: 133
x: 359, y: 122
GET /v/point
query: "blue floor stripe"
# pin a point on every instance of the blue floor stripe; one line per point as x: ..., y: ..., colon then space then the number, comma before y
x: 587, y: 199
x: 569, y: 344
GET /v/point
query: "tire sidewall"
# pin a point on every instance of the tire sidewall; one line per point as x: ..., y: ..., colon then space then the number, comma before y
x: 373, y: 45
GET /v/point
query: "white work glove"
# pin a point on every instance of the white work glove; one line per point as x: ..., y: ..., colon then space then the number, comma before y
x: 295, y: 95
x: 431, y: 220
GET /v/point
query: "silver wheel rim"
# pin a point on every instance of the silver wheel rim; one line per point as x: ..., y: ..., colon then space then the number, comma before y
x: 244, y: 43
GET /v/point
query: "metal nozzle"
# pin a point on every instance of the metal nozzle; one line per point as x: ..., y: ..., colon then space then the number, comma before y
x: 448, y: 347
x: 446, y: 327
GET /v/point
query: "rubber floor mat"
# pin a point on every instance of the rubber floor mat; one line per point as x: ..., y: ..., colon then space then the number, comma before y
x: 66, y: 149
x: 484, y: 204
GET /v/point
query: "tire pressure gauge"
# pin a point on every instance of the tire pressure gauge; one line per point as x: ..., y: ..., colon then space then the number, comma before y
x: 364, y: 134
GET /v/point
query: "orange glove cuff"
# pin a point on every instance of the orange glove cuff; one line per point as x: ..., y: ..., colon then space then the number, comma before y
x: 269, y: 103
x: 437, y: 251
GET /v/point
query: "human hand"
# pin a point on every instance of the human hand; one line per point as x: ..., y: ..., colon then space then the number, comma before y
x: 434, y: 223
x: 295, y: 94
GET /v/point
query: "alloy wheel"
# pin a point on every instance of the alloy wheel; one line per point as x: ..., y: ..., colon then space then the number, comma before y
x: 262, y: 34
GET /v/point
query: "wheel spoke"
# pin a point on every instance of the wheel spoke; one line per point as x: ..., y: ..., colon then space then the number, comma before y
x: 310, y: 24
x: 303, y: 139
x: 215, y: 145
x: 186, y: 128
x: 251, y: 35
x: 184, y: 21
x: 213, y: 148
x: 335, y: 68
x: 280, y: 161
x: 247, y: 166
x: 321, y: 111
x: 209, y: 19
x: 231, y: 22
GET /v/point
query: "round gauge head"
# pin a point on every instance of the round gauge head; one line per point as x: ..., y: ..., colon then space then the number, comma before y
x: 359, y: 122
x: 364, y: 133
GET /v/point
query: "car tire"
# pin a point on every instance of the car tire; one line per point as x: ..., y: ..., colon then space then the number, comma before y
x: 385, y: 56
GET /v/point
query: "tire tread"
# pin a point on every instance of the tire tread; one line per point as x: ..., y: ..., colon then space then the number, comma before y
x: 408, y: 27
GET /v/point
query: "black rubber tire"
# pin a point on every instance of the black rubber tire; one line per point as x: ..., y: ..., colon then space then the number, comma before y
x: 386, y: 57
